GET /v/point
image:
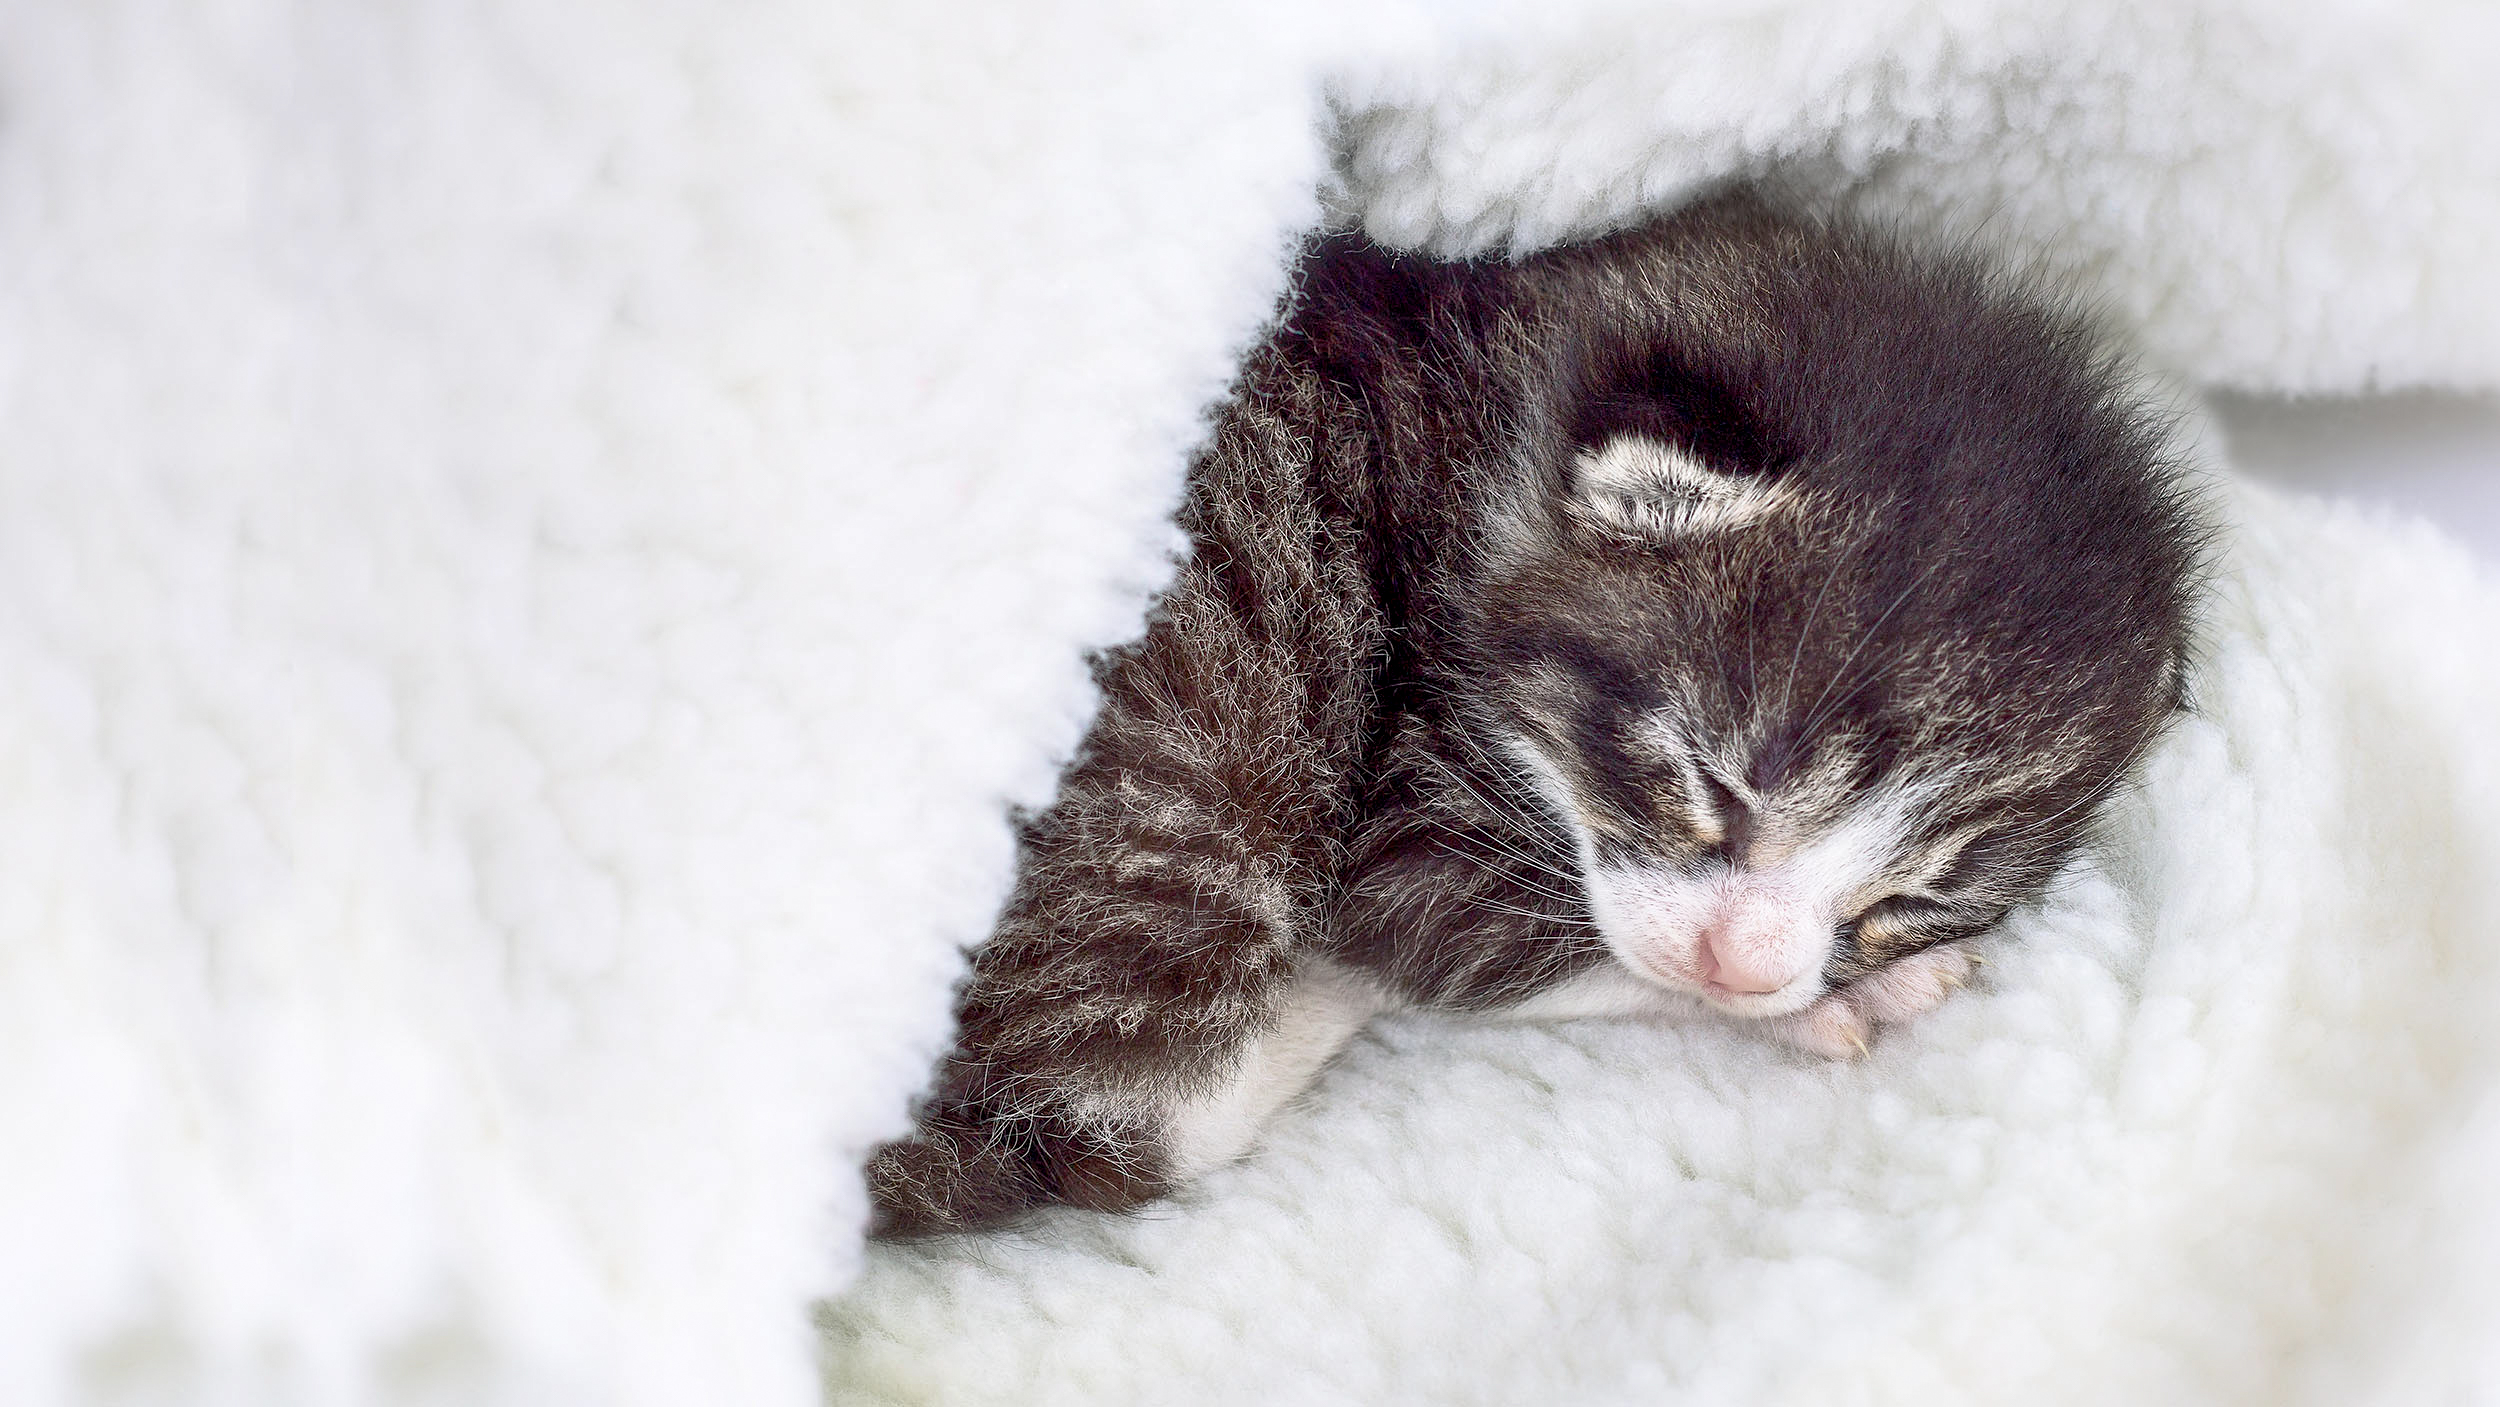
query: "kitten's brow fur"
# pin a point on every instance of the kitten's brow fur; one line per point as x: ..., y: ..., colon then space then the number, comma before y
x: 1443, y: 650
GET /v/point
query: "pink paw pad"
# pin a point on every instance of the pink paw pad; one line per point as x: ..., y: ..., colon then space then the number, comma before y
x: 1839, y: 1026
x: 1913, y: 986
x: 1831, y: 1028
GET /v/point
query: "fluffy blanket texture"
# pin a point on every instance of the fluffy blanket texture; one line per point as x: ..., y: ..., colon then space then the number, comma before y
x: 542, y: 539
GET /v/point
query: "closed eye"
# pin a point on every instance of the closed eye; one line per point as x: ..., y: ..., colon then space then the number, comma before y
x: 1905, y: 908
x: 1900, y: 921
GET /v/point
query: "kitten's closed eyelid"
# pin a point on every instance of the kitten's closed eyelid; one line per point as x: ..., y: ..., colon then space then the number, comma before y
x: 1897, y: 912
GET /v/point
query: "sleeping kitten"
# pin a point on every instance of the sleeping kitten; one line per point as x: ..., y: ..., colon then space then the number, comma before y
x: 1736, y: 613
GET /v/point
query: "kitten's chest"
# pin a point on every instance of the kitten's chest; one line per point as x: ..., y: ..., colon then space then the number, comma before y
x: 1459, y: 886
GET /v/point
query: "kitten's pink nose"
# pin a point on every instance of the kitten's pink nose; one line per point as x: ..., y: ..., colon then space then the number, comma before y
x: 1732, y: 965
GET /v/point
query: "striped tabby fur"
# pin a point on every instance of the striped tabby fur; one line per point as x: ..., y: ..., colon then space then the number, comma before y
x: 1738, y: 612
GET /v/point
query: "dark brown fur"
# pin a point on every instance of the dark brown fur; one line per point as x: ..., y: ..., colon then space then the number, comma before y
x: 1393, y: 572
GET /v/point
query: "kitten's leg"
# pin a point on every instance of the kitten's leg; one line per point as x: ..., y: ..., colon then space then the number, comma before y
x: 1132, y: 1014
x: 1839, y: 1025
x: 1150, y: 949
x: 1327, y: 1004
x: 1139, y: 1009
x: 1108, y: 1149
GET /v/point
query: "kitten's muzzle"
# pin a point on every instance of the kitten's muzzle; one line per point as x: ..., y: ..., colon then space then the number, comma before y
x: 1744, y: 945
x: 1729, y: 962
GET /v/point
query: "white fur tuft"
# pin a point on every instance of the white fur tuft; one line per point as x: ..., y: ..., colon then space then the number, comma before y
x: 1325, y: 1007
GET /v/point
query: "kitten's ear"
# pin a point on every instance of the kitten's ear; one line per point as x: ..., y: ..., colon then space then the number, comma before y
x: 1645, y: 488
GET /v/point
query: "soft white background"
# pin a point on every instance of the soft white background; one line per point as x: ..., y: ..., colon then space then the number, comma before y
x: 538, y: 541
x: 2425, y: 455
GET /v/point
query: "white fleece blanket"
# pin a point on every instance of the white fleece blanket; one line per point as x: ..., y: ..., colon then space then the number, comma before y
x: 2219, y: 1125
x: 540, y: 540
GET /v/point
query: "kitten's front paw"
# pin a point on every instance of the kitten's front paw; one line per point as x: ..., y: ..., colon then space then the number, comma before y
x: 958, y: 1172
x: 1831, y: 1028
x: 1839, y: 1026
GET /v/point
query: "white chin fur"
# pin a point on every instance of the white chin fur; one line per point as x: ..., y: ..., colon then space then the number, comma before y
x: 1795, y: 996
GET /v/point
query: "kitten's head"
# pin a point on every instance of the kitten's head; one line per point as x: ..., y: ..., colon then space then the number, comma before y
x: 1828, y: 655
